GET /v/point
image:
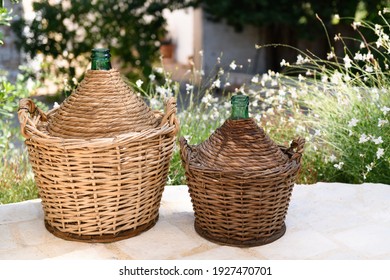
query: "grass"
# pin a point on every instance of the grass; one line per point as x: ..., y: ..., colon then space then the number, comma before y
x: 16, y: 180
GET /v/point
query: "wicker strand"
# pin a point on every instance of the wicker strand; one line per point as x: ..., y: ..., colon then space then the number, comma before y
x: 102, y: 189
x: 236, y: 203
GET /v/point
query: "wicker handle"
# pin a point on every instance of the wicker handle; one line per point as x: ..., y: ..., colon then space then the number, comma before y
x: 185, y: 151
x: 170, y: 115
x: 297, y: 145
x: 29, y: 115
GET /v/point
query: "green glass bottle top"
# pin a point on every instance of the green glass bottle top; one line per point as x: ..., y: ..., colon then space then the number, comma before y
x: 239, y: 107
x: 100, y: 59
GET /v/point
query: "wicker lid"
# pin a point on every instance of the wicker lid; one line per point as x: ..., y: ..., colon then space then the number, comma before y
x: 103, y: 105
x: 239, y: 145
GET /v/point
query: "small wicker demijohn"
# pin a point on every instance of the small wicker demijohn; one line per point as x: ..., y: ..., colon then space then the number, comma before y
x: 240, y: 181
x: 100, y: 159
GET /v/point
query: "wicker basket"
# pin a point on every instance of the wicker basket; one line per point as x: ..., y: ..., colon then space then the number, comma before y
x: 100, y: 189
x: 240, y: 183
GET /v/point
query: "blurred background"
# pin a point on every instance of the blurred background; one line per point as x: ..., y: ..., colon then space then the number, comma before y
x: 54, y: 38
x: 314, y: 68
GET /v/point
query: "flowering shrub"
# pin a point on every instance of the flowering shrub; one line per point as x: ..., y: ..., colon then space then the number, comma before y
x: 340, y: 105
x: 16, y: 177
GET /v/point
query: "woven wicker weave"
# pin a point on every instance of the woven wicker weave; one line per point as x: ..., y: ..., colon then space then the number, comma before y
x: 102, y: 189
x: 103, y: 105
x: 240, y: 184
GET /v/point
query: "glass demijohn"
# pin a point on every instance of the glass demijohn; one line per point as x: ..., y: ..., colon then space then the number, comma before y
x: 100, y: 59
x: 239, y: 107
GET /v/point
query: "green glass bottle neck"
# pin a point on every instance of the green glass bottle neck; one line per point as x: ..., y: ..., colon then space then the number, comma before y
x: 239, y: 107
x: 100, y: 59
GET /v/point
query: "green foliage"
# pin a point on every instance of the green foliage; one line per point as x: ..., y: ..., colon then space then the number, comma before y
x: 66, y: 31
x: 340, y: 106
x: 5, y: 18
x: 16, y: 182
x: 298, y: 15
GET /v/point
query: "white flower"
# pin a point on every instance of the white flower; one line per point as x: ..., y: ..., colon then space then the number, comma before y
x: 382, y: 122
x: 155, y: 103
x: 152, y: 77
x: 330, y: 55
x: 362, y: 45
x: 317, y: 132
x: 356, y: 24
x: 369, y: 56
x: 385, y: 110
x: 201, y: 52
x: 379, y: 42
x: 189, y: 87
x: 56, y: 105
x: 139, y: 83
x: 301, y: 59
x: 255, y: 79
x: 332, y: 158
x: 284, y: 63
x: 369, y: 68
x: 160, y: 90
x: 347, y: 78
x: 301, y: 78
x: 216, y: 84
x: 233, y: 65
x: 347, y: 62
x: 339, y: 165
x: 353, y: 122
x: 377, y: 140
x: 159, y: 70
x: 364, y: 138
x: 379, y: 153
x: 358, y: 56
x: 336, y: 78
x: 208, y: 100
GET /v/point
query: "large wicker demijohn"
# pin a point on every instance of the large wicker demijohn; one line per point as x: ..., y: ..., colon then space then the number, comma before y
x: 240, y: 181
x: 100, y: 159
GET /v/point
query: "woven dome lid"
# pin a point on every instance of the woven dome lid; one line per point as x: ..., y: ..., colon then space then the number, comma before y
x: 239, y: 145
x: 103, y: 105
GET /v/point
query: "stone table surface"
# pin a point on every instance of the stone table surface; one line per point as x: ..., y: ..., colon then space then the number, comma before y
x: 325, y: 221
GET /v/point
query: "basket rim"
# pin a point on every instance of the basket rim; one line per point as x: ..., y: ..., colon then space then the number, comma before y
x: 293, y: 153
x: 169, y: 125
x: 288, y: 167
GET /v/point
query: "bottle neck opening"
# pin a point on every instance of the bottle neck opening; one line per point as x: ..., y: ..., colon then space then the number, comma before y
x: 100, y: 59
x: 239, y: 107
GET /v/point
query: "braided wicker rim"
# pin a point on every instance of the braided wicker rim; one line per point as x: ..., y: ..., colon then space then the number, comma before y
x: 33, y: 125
x: 213, y: 155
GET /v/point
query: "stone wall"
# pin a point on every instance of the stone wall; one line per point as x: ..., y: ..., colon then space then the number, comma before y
x: 219, y: 40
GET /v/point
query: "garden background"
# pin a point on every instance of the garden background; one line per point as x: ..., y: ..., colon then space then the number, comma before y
x: 317, y: 69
